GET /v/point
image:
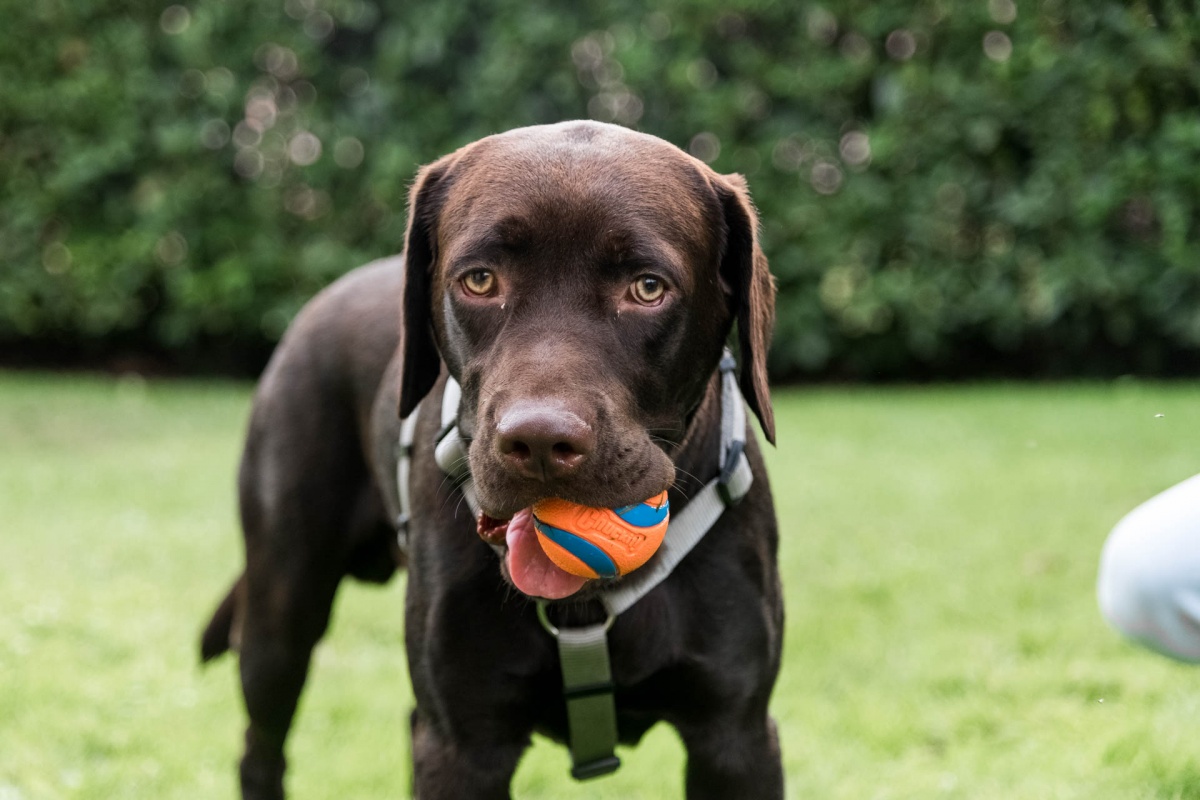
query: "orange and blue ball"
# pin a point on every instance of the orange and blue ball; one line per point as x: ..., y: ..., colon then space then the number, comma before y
x: 601, y: 542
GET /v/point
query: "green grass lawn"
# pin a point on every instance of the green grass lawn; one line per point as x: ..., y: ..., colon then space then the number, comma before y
x: 939, y: 551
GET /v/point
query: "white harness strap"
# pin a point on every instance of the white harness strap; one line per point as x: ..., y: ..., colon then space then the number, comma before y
x: 685, y: 529
x: 450, y: 452
x: 408, y: 429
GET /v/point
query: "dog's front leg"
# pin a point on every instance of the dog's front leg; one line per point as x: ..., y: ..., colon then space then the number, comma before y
x: 443, y: 769
x: 734, y: 757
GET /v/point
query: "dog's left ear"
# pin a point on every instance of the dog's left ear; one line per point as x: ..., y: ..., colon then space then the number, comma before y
x: 419, y: 360
x: 744, y: 269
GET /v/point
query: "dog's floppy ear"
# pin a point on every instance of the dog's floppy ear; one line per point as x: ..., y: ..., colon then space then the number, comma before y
x: 420, y: 361
x: 744, y: 268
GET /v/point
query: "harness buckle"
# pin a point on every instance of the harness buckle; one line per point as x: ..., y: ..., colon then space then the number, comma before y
x: 595, y: 768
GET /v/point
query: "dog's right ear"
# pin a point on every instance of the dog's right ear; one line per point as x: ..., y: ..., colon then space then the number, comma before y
x: 419, y: 359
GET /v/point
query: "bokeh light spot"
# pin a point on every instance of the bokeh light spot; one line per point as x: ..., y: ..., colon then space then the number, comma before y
x: 171, y: 249
x: 855, y: 47
x: 56, y: 258
x: 306, y: 202
x: 788, y: 154
x: 298, y: 9
x: 319, y: 26
x: 304, y: 149
x: 192, y: 83
x: 705, y: 146
x: 245, y: 135
x: 621, y: 106
x: 214, y: 134
x: 701, y: 73
x: 997, y: 46
x: 281, y: 62
x: 826, y: 177
x: 657, y: 26
x: 855, y: 148
x: 261, y: 111
x: 822, y: 26
x: 248, y: 163
x: 1002, y: 11
x: 219, y: 80
x: 901, y: 45
x: 175, y: 20
x: 348, y: 152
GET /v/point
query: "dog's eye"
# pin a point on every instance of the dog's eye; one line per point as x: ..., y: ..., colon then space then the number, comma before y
x: 479, y: 282
x: 648, y: 290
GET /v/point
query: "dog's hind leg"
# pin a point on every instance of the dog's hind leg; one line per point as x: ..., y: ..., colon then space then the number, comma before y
x: 306, y: 504
x: 290, y: 584
x: 285, y: 617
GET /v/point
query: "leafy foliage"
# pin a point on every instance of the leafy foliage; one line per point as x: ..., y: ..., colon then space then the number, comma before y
x: 946, y: 188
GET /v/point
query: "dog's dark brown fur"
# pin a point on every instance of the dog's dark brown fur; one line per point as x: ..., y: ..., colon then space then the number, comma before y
x: 572, y: 388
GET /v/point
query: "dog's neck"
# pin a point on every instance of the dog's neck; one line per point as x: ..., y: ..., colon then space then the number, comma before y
x: 697, y: 456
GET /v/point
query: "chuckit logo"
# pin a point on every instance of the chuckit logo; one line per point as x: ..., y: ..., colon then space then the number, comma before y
x: 599, y: 522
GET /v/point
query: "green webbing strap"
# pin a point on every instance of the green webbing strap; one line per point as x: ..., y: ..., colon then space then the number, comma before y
x: 588, y: 691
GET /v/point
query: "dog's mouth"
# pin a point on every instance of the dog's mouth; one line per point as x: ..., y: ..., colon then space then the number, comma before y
x: 528, y: 566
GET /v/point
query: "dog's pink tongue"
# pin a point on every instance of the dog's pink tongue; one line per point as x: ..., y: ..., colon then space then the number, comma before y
x: 530, y: 569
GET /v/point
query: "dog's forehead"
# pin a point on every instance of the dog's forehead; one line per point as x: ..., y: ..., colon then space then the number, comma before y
x: 581, y: 182
x: 578, y: 148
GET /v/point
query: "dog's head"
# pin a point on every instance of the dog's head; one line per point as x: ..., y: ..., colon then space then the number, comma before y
x: 579, y: 281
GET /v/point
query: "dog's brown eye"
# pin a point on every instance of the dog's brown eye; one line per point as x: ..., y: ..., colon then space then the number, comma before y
x: 479, y: 282
x: 648, y: 290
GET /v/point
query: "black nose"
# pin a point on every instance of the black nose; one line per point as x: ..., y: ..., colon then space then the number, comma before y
x: 543, y: 441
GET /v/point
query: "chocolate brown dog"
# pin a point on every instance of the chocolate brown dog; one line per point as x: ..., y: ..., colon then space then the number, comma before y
x: 579, y: 281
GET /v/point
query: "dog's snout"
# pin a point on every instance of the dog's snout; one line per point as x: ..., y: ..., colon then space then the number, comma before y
x: 543, y: 441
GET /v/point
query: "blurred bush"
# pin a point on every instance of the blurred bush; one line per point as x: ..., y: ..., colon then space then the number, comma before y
x: 947, y: 188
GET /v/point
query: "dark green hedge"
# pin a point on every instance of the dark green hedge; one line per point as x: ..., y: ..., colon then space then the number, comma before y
x: 947, y: 188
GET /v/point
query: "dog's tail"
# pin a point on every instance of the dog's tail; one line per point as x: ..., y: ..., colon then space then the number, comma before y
x: 218, y: 634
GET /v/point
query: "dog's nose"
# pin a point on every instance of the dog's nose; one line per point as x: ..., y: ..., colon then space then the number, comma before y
x: 543, y: 441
